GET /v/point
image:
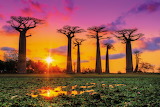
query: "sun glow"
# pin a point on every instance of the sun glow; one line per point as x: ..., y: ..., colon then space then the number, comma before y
x: 49, y: 60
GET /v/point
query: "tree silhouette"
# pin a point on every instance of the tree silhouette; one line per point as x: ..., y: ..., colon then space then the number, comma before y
x: 137, y: 56
x: 77, y: 42
x: 22, y: 25
x: 97, y: 32
x: 70, y: 32
x: 108, y: 47
x: 126, y: 36
x: 144, y: 66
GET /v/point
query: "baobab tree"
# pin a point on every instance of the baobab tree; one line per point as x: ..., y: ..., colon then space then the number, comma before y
x: 77, y: 42
x: 108, y: 47
x: 127, y: 36
x: 137, y: 56
x: 97, y: 32
x: 22, y: 25
x: 69, y: 32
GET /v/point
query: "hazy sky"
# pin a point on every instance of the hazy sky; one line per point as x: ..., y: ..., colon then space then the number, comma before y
x: 115, y: 14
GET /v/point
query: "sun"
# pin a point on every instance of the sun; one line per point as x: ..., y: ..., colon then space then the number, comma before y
x: 49, y: 59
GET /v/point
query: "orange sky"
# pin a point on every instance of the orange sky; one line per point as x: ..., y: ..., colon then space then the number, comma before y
x: 56, y: 13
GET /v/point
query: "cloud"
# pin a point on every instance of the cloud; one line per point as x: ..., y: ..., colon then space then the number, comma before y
x: 27, y: 11
x: 62, y: 50
x: 84, y: 61
x: 7, y: 49
x: 111, y: 41
x: 8, y: 29
x: 149, y: 6
x: 113, y: 26
x: 114, y: 56
x: 36, y: 5
x: 148, y: 44
x: 69, y: 5
x: 33, y: 4
x: 151, y: 44
x: 1, y: 17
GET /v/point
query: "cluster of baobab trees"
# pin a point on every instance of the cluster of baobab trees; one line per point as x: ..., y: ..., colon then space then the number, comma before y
x: 23, y: 24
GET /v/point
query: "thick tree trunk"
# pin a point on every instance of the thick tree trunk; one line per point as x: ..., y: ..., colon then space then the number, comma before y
x: 129, y: 64
x: 78, y: 60
x: 98, y: 68
x: 21, y: 68
x: 69, y: 57
x: 107, y: 61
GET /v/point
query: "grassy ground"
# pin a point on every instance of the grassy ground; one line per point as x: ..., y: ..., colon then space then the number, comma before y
x: 106, y: 90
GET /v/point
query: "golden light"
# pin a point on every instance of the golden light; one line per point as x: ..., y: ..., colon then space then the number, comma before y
x: 49, y: 60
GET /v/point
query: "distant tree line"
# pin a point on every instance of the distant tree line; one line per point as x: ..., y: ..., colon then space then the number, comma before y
x: 23, y: 24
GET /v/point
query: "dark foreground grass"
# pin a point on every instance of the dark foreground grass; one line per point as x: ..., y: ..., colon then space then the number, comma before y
x: 138, y: 90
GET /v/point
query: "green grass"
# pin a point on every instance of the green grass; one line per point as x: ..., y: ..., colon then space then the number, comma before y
x: 139, y: 90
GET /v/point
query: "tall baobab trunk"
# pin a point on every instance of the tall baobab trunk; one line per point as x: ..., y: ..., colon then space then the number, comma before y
x: 137, y: 63
x: 98, y: 68
x: 107, y: 61
x: 69, y: 57
x: 129, y: 64
x: 21, y: 68
x: 136, y: 69
x: 78, y: 60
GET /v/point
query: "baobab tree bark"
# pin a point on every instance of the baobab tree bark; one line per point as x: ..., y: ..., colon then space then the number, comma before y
x: 69, y: 56
x: 129, y: 63
x: 70, y: 32
x: 78, y: 60
x: 22, y: 53
x: 97, y: 32
x: 77, y: 42
x: 107, y: 62
x: 98, y: 68
x: 127, y: 35
x: 22, y: 25
x: 108, y: 47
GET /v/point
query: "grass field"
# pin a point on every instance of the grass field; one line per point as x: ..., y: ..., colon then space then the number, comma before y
x: 79, y: 90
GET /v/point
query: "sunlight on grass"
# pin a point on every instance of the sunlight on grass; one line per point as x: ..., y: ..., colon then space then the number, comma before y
x: 49, y: 93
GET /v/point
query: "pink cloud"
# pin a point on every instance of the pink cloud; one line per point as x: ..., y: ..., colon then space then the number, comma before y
x: 62, y: 50
x: 61, y: 15
x: 27, y: 11
x: 36, y: 5
x: 69, y: 5
x: 1, y: 16
x: 33, y: 4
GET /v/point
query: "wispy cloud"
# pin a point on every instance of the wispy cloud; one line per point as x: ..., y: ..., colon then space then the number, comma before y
x: 62, y: 50
x: 148, y: 7
x: 111, y: 41
x: 151, y: 44
x: 8, y: 29
x: 7, y: 49
x: 114, y: 56
x: 69, y: 5
x: 36, y: 5
x: 1, y: 16
x: 84, y: 61
x: 27, y: 11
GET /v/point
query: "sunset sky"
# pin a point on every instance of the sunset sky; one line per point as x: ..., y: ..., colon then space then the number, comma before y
x: 114, y: 14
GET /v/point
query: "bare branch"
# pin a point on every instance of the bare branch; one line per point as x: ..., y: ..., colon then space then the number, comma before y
x: 70, y: 31
x: 20, y: 23
x: 127, y: 35
x: 97, y: 32
x: 78, y: 41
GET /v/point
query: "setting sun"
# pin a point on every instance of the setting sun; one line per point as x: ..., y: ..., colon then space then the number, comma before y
x: 49, y: 59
